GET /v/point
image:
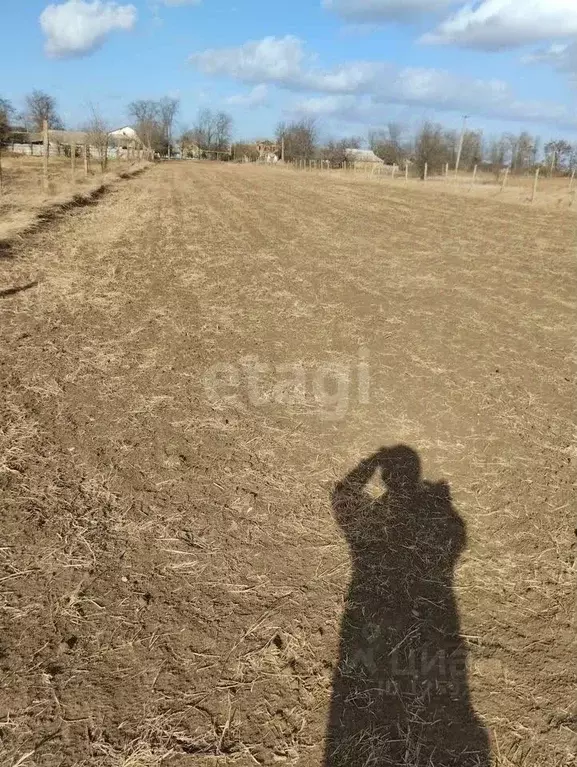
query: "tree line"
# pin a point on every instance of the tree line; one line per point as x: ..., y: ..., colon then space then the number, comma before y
x: 432, y: 144
x: 38, y: 106
x: 152, y: 119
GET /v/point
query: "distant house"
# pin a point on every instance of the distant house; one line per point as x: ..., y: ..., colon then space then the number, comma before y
x: 268, y: 151
x: 60, y: 142
x: 363, y: 158
x: 189, y: 149
x: 125, y: 137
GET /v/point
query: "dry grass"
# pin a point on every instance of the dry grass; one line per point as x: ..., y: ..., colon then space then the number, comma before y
x: 173, y: 571
x: 23, y: 201
x: 554, y: 191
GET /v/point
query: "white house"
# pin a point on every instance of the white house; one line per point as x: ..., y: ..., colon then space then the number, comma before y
x: 127, y: 134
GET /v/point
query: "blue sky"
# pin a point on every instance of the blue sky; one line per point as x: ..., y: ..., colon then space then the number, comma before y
x: 352, y: 64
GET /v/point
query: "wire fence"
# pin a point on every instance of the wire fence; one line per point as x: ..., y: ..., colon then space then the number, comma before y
x: 538, y: 186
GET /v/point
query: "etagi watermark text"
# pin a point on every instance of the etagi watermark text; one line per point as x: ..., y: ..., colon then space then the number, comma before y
x: 328, y: 388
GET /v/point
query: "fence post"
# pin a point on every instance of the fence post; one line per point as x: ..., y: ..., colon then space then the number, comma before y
x: 505, y: 176
x: 85, y: 159
x: 533, y: 194
x: 426, y: 172
x: 572, y: 179
x: 406, y: 170
x: 393, y: 172
x: 73, y: 161
x: 46, y: 144
x: 474, y: 174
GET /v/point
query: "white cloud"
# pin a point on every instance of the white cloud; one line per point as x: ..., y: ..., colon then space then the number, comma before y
x: 273, y: 59
x: 76, y: 27
x: 383, y: 10
x: 353, y: 90
x: 499, y: 24
x: 438, y: 90
x: 345, y: 107
x: 180, y: 2
x: 443, y: 90
x: 283, y: 61
x: 561, y: 56
x: 256, y: 97
x: 374, y: 110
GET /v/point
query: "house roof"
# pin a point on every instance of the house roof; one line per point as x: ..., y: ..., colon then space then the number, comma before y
x: 362, y: 155
x: 67, y: 136
x: 60, y: 137
x: 126, y: 129
x: 78, y: 137
x: 126, y: 132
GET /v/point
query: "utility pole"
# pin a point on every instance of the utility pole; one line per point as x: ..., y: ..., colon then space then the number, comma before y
x: 461, y: 142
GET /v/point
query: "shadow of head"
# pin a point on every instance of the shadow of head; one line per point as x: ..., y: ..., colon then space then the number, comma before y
x: 400, y: 468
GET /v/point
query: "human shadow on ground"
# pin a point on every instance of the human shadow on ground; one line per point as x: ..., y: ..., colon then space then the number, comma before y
x: 400, y: 693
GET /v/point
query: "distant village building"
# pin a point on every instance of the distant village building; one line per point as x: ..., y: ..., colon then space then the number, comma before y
x: 268, y: 151
x: 363, y: 158
x: 60, y: 142
x: 189, y: 150
x: 33, y: 143
x: 125, y: 135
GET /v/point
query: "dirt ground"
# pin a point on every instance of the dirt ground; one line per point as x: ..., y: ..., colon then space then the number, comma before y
x: 220, y: 385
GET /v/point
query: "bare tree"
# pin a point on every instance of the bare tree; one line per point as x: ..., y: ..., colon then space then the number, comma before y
x: 146, y: 115
x: 431, y: 149
x: 388, y: 144
x: 41, y: 106
x: 6, y: 116
x: 212, y: 131
x: 222, y: 131
x: 336, y: 151
x: 511, y: 143
x: 535, y: 152
x: 98, y: 136
x: 451, y: 140
x: 524, y: 152
x: 498, y: 154
x: 203, y: 130
x: 300, y: 138
x: 168, y: 109
x: 518, y: 151
x: 557, y: 154
x: 472, y: 151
